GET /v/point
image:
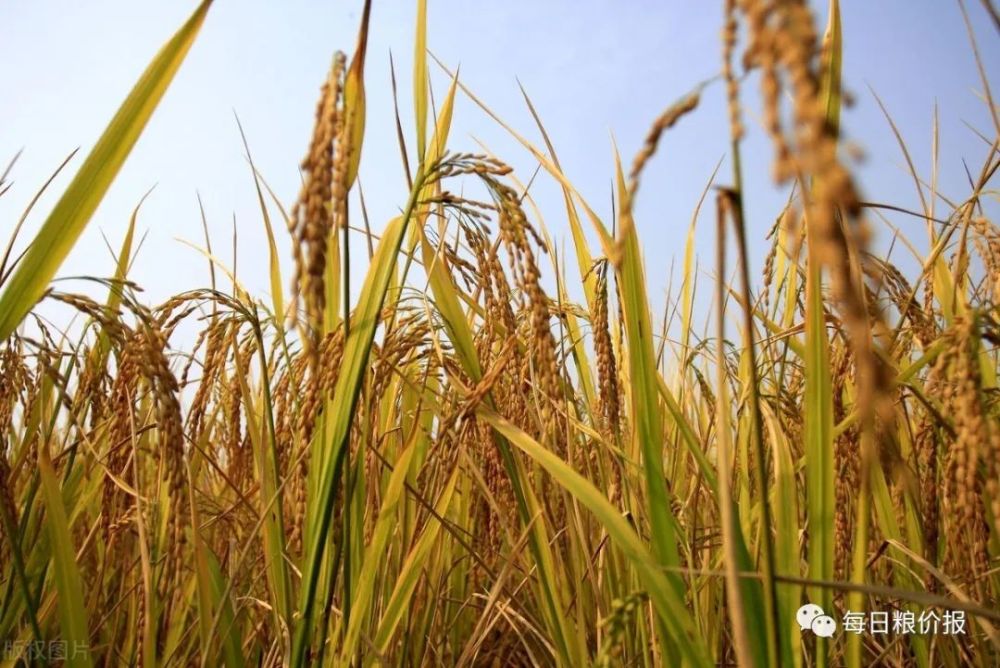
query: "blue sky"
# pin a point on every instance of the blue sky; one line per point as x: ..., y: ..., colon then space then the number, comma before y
x: 594, y: 69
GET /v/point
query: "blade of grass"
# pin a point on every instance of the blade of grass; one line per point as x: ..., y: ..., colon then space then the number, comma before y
x: 412, y: 567
x: 749, y: 650
x: 277, y: 285
x: 752, y: 383
x: 261, y: 432
x: 72, y: 614
x: 210, y: 595
x: 420, y: 79
x: 73, y: 210
x: 645, y: 390
x: 818, y: 409
x: 345, y: 397
x: 669, y: 606
x: 354, y: 96
x: 376, y: 549
x: 4, y: 269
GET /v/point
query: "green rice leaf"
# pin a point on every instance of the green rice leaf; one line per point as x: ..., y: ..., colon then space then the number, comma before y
x: 73, y: 618
x: 68, y: 219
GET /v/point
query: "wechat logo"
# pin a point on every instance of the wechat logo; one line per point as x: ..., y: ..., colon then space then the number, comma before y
x: 812, y: 618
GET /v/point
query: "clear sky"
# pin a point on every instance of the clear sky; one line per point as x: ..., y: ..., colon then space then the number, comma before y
x: 594, y: 68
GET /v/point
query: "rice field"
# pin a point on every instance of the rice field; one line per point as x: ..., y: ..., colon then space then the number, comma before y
x: 459, y: 462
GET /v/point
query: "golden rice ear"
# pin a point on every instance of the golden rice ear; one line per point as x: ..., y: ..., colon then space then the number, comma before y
x: 607, y: 367
x: 312, y: 218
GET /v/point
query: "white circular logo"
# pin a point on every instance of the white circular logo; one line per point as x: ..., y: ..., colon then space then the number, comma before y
x: 806, y: 614
x: 824, y: 626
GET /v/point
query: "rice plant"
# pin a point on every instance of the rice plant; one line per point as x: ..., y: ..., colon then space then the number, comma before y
x: 455, y: 463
